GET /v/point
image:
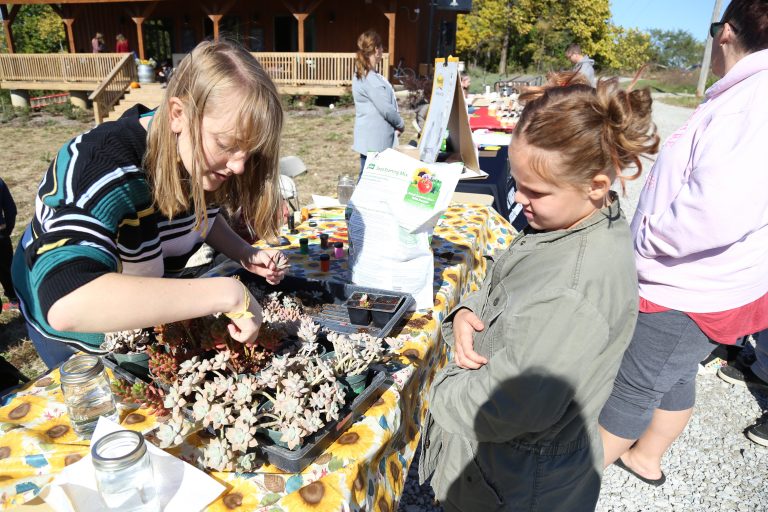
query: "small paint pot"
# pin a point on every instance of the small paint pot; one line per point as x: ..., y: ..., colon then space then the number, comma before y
x: 304, y: 245
x: 325, y: 262
x: 323, y: 240
x: 338, y: 250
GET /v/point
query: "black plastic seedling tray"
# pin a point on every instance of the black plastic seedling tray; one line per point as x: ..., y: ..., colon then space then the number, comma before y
x: 331, y: 310
x: 120, y: 372
x: 296, y: 460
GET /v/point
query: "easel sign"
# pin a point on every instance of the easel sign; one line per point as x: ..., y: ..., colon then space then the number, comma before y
x: 447, y: 110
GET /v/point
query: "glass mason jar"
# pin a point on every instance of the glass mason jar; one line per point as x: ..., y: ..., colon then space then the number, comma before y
x: 345, y: 188
x: 87, y: 393
x: 124, y: 475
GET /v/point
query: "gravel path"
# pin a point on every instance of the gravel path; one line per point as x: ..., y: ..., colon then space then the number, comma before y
x: 711, y: 467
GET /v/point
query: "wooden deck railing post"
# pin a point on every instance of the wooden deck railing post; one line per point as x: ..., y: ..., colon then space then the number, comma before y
x: 70, y: 34
x: 139, y: 21
x: 216, y: 19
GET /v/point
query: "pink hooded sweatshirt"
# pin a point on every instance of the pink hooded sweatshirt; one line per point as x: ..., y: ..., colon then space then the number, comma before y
x: 701, y: 225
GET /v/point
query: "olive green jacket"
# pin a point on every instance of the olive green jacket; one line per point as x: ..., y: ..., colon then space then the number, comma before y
x: 520, y: 433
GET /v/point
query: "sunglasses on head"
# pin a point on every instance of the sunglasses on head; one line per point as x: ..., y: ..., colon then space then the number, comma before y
x: 716, y: 27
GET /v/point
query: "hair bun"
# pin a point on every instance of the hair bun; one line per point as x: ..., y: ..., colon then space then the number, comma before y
x: 602, y: 129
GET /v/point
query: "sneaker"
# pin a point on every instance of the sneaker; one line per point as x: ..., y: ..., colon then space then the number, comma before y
x: 714, y: 361
x: 11, y: 305
x: 741, y: 376
x: 711, y: 365
x: 759, y: 433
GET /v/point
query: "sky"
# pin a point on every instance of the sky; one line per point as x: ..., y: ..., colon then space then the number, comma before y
x: 691, y: 15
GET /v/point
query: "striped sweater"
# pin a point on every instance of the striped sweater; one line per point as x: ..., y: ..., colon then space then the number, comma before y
x: 94, y: 215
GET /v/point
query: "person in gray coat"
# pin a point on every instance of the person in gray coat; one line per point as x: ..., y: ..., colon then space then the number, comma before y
x: 377, y: 121
x: 512, y: 421
x: 581, y: 63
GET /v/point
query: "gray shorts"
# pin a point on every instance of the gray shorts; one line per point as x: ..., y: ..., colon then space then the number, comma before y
x: 658, y: 371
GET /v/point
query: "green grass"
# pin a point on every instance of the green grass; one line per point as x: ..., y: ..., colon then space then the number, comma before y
x: 682, y: 101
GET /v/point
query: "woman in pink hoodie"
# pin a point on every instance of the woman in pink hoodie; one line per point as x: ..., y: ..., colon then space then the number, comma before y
x: 701, y: 249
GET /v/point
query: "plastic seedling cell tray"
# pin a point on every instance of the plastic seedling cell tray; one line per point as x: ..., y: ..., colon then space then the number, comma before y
x: 329, y: 308
x: 120, y: 372
x: 294, y: 461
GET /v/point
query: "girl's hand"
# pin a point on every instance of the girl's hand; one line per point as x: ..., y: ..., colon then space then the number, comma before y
x: 246, y: 318
x: 465, y: 325
x: 268, y: 263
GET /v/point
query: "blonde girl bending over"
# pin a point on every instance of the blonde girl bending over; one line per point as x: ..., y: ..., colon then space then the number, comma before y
x: 123, y: 206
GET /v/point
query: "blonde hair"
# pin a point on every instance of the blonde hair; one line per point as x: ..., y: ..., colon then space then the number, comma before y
x: 367, y: 43
x: 595, y: 130
x: 220, y: 76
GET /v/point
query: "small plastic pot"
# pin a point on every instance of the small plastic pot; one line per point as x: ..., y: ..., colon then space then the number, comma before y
x: 354, y: 384
x: 382, y: 315
x: 358, y: 315
x: 386, y: 300
x: 274, y: 436
x: 136, y: 363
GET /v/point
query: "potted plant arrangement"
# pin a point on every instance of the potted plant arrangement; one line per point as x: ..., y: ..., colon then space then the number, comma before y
x: 247, y: 395
x: 364, y: 308
x: 359, y: 308
x: 146, y: 70
x: 353, y: 355
x: 129, y: 348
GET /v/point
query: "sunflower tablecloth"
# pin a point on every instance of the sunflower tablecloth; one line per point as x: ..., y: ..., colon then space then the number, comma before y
x: 365, y: 469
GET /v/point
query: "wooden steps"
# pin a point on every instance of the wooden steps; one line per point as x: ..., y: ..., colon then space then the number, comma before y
x: 149, y: 95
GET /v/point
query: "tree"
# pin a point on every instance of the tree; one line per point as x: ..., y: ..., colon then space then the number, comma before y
x: 631, y: 49
x: 675, y: 48
x: 534, y: 33
x: 37, y: 29
x: 483, y: 34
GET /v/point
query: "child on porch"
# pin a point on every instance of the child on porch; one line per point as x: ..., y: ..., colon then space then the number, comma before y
x: 123, y: 206
x: 512, y: 420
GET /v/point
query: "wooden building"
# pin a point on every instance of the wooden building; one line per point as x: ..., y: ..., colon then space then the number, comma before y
x: 414, y: 31
x: 307, y: 46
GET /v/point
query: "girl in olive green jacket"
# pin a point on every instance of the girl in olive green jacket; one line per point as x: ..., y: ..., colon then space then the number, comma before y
x: 512, y: 421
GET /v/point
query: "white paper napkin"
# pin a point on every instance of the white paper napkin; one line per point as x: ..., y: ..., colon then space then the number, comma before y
x: 180, y: 486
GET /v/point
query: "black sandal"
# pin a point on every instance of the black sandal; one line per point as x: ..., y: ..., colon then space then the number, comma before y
x: 656, y: 483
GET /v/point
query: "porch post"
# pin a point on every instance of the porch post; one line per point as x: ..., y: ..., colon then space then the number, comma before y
x: 70, y: 35
x: 8, y: 36
x: 216, y: 18
x: 391, y: 43
x: 301, y: 16
x: 7, y: 18
x: 139, y: 21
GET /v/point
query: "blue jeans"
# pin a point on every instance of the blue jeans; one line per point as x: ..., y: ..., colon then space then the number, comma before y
x: 52, y: 352
x: 760, y: 366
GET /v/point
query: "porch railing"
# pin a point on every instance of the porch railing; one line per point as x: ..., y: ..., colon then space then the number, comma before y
x: 58, y: 67
x: 313, y: 68
x: 112, y: 88
x: 285, y: 68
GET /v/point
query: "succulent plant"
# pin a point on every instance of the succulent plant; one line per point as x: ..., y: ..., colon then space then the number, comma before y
x: 235, y: 390
x: 127, y: 342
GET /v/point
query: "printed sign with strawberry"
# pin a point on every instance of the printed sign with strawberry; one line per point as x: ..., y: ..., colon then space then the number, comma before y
x: 424, y: 189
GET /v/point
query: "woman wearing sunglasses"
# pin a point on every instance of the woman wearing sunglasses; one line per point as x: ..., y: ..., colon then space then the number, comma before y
x: 701, y: 248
